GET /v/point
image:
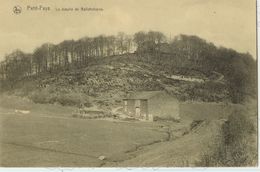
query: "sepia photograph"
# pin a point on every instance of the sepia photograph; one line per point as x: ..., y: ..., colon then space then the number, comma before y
x: 128, y: 83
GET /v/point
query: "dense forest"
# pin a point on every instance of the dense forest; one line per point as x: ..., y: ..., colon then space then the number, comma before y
x: 179, y: 55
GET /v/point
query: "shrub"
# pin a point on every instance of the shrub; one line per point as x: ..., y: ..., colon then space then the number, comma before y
x: 47, y: 96
x: 166, y: 118
x: 232, y: 146
x: 41, y: 96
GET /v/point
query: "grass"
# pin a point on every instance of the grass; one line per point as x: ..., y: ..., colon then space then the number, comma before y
x: 8, y: 103
x: 50, y: 136
x: 178, y: 152
x: 39, y: 139
x: 205, y: 110
x: 234, y: 146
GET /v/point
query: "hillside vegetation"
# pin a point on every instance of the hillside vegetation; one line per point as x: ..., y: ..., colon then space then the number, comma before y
x: 101, y: 70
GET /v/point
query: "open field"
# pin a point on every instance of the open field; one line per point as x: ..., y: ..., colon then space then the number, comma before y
x: 48, y: 136
x: 38, y: 139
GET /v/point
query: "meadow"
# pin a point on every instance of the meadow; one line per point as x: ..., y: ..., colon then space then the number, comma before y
x: 42, y: 138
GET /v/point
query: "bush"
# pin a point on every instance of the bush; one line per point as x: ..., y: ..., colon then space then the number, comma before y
x: 237, y: 127
x: 42, y: 96
x: 232, y: 146
x: 47, y: 96
x: 166, y: 118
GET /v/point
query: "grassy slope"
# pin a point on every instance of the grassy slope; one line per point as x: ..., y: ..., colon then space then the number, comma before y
x: 179, y: 152
x: 105, y: 81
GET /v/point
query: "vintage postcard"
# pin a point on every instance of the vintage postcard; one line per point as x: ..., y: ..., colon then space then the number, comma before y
x: 128, y: 83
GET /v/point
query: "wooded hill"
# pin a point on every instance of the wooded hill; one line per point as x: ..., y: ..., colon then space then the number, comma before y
x: 143, y: 61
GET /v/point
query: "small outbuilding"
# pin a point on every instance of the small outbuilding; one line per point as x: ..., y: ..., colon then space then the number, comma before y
x: 149, y: 104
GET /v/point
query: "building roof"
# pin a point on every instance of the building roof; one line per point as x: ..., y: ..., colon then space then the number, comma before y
x: 143, y: 94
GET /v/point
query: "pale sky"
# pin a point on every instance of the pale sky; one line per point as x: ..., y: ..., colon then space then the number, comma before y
x: 229, y: 23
